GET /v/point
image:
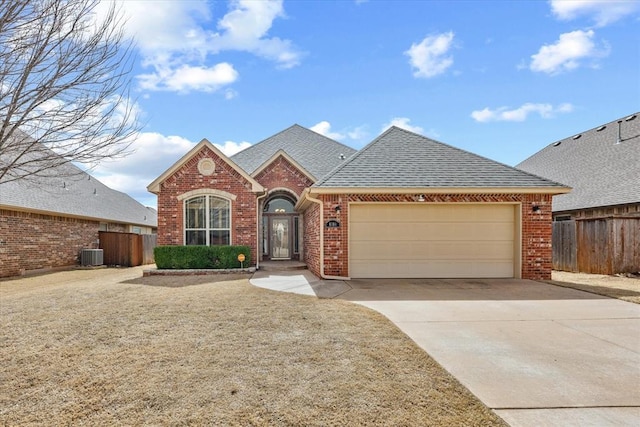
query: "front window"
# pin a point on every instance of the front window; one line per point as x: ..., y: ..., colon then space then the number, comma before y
x: 207, y: 221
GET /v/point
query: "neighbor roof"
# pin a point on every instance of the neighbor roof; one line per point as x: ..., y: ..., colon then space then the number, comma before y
x: 601, y: 170
x: 402, y: 159
x: 74, y: 193
x: 316, y: 153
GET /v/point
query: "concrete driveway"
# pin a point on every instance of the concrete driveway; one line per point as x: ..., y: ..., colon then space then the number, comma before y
x: 537, y: 354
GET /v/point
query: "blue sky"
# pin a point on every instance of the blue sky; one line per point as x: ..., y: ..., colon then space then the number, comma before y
x: 498, y: 78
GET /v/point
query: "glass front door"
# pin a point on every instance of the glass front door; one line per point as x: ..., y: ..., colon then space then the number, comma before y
x: 280, y: 241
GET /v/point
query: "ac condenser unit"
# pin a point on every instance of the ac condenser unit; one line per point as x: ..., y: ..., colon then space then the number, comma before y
x: 90, y: 257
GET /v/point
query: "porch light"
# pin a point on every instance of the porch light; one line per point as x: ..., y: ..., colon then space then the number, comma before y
x: 420, y: 198
x: 535, y: 208
x: 337, y: 209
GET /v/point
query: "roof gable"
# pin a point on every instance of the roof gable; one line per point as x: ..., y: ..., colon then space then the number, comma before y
x: 314, y: 153
x: 154, y: 187
x: 283, y: 154
x: 601, y: 164
x: 402, y: 159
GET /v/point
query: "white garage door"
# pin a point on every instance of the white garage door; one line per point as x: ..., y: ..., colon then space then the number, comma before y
x: 432, y: 241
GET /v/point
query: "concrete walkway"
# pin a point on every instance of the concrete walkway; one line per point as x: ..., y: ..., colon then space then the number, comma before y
x: 537, y: 354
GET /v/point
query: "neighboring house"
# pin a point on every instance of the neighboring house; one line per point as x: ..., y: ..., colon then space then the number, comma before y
x: 601, y: 215
x: 46, y: 222
x: 403, y: 206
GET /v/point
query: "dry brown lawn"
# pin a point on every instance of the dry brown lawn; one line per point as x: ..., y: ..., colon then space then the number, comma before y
x: 620, y: 287
x: 188, y: 351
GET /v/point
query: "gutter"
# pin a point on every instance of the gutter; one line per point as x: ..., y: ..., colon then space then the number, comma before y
x: 258, y: 216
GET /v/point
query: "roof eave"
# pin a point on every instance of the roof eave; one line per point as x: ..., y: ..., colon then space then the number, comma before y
x: 69, y: 215
x: 439, y: 190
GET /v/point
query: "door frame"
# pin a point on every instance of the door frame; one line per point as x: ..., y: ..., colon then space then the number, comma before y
x: 270, y: 241
x: 267, y: 221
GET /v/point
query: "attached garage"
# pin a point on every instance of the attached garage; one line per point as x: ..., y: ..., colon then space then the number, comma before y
x: 435, y: 240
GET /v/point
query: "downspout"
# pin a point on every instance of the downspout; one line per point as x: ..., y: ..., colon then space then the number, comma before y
x: 258, y: 216
x: 322, y: 275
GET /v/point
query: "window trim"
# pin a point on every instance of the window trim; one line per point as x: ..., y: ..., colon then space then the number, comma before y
x: 207, y: 215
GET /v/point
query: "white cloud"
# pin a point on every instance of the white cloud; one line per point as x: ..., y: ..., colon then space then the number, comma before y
x: 187, y: 78
x: 504, y: 114
x: 568, y: 53
x: 402, y: 122
x: 324, y: 128
x: 133, y: 173
x: 603, y: 12
x: 358, y: 133
x: 430, y: 57
x: 229, y: 148
x: 177, y: 39
x: 245, y: 28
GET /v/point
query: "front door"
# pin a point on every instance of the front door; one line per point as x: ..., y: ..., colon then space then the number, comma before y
x: 279, y: 238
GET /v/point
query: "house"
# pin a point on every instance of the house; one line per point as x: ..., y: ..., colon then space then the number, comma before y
x: 597, y: 225
x: 45, y: 222
x: 403, y: 206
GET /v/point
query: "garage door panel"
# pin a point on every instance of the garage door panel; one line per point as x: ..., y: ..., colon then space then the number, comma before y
x: 417, y: 240
x: 442, y: 250
x: 432, y: 269
x: 402, y: 213
x: 380, y: 231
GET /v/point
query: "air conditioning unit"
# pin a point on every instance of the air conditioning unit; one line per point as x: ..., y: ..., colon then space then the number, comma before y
x: 90, y: 257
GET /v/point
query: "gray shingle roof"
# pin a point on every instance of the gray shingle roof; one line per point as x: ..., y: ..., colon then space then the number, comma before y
x: 399, y: 158
x: 314, y: 152
x: 601, y: 172
x: 75, y: 193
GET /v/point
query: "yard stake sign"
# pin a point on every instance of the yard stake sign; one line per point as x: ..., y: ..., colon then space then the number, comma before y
x: 241, y: 258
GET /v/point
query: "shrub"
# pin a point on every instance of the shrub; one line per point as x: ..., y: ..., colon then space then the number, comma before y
x: 200, y: 257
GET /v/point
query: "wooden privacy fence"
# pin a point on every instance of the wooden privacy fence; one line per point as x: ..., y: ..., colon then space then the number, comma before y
x: 597, y: 245
x: 127, y: 249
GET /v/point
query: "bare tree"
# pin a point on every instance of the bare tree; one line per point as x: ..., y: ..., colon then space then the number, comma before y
x: 64, y: 87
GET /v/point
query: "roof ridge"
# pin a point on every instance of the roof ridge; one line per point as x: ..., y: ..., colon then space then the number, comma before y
x: 266, y: 139
x: 326, y: 137
x: 351, y: 158
x: 595, y: 128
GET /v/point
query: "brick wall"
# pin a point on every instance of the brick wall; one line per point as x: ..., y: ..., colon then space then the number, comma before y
x: 30, y: 241
x: 311, y: 241
x: 536, y: 227
x: 282, y: 174
x: 225, y: 178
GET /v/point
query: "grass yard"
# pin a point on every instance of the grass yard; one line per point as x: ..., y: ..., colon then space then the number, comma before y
x: 178, y: 351
x: 620, y: 287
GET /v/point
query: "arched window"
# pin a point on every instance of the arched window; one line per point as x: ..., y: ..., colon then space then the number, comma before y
x: 207, y: 221
x: 279, y: 205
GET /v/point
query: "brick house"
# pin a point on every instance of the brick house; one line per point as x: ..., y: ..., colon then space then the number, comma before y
x: 46, y: 221
x: 403, y: 206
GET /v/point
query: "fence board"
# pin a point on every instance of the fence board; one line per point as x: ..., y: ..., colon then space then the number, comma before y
x: 563, y: 246
x: 127, y: 249
x: 605, y: 245
x: 149, y: 242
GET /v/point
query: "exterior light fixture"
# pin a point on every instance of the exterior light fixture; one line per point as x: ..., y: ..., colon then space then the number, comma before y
x: 337, y: 209
x: 535, y: 208
x: 420, y: 198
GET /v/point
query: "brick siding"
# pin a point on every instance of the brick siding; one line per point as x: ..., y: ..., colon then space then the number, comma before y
x: 311, y: 241
x: 536, y: 228
x: 30, y: 241
x: 225, y: 178
x: 282, y: 174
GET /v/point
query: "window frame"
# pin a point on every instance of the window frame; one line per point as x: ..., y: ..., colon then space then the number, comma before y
x: 208, y: 229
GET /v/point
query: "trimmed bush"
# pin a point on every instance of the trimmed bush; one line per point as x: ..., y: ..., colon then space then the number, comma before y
x: 200, y: 257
